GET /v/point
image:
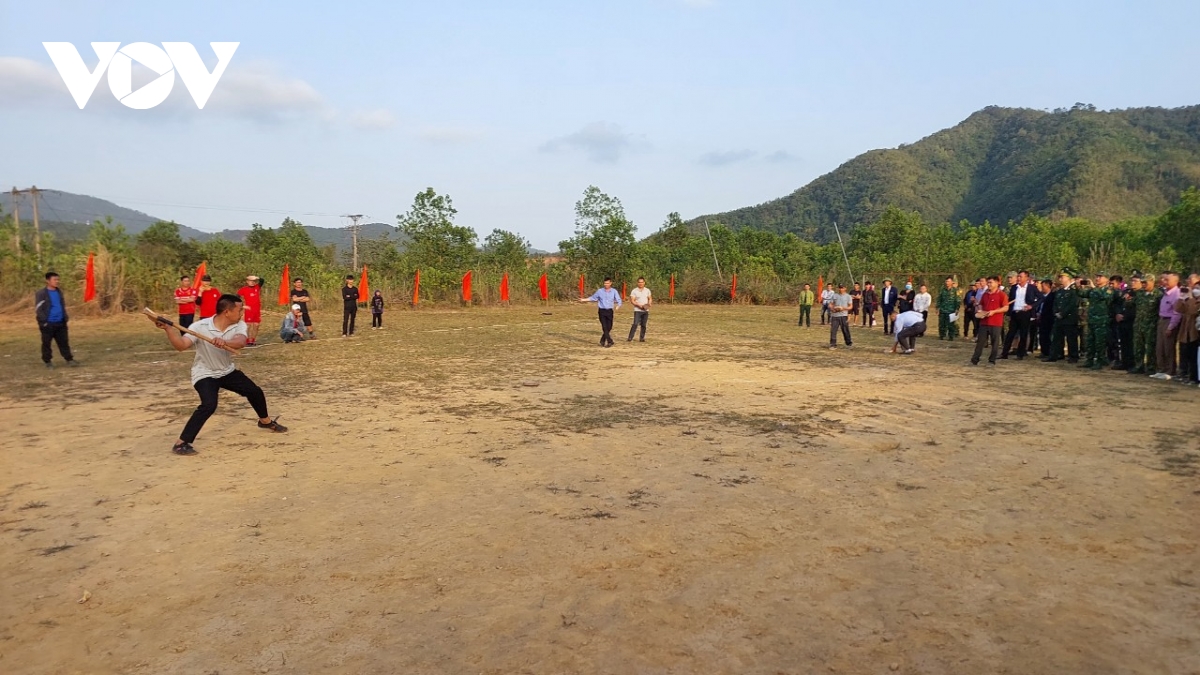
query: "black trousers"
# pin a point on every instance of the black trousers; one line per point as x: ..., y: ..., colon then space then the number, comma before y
x: 1065, y: 331
x: 908, y: 336
x: 836, y: 323
x: 806, y: 315
x: 825, y: 313
x: 606, y: 319
x: 185, y: 320
x: 1046, y: 334
x: 1124, y: 333
x: 58, y: 333
x: 639, y: 319
x: 868, y: 317
x: 348, y: 316
x: 1018, y: 331
x: 376, y: 320
x: 985, y: 335
x: 888, y: 321
x: 1187, y: 361
x: 209, y: 387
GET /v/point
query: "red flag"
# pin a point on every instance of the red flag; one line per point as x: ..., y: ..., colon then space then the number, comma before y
x: 200, y: 272
x: 733, y: 289
x: 624, y: 295
x: 285, y: 286
x: 504, y: 288
x: 544, y: 287
x: 466, y: 287
x: 89, y: 279
x: 820, y: 285
x: 671, y: 295
x: 581, y: 291
x: 363, y: 293
x: 417, y: 288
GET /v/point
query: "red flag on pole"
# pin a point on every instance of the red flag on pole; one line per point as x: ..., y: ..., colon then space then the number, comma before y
x: 581, y: 291
x: 89, y: 279
x: 544, y: 287
x: 671, y: 295
x: 820, y: 285
x: 466, y: 287
x: 416, y: 288
x: 285, y: 286
x: 363, y: 293
x: 624, y: 295
x: 733, y: 289
x: 504, y: 288
x: 200, y: 272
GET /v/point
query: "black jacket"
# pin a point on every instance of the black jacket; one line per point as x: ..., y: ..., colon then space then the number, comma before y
x: 887, y: 296
x: 1032, y: 297
x: 41, y: 305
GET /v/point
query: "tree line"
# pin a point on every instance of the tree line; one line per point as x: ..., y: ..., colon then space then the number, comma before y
x: 137, y: 270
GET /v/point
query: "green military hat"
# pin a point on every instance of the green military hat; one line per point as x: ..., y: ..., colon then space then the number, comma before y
x: 1101, y: 274
x: 1069, y: 271
x: 1137, y: 274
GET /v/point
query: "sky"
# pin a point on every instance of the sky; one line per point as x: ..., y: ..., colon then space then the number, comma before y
x: 515, y: 108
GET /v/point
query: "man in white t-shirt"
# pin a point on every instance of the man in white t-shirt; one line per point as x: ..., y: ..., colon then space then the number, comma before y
x: 213, y: 369
x: 921, y: 302
x: 826, y: 298
x: 640, y: 297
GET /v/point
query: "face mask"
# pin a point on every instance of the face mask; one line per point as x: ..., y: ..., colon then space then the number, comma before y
x: 1196, y: 292
x: 908, y: 287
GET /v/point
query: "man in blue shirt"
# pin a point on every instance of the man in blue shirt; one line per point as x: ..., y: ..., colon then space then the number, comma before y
x: 51, y: 311
x: 607, y: 299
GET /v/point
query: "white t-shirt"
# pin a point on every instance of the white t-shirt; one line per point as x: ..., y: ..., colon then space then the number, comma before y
x: 639, y: 296
x: 922, y: 301
x: 212, y: 361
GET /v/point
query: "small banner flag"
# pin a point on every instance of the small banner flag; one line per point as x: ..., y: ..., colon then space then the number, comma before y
x: 544, y: 287
x: 89, y: 279
x: 733, y: 289
x: 200, y: 272
x: 416, y: 288
x: 285, y: 286
x: 504, y: 288
x: 671, y: 295
x: 624, y: 295
x: 466, y: 287
x: 581, y: 291
x: 363, y: 293
x: 820, y: 285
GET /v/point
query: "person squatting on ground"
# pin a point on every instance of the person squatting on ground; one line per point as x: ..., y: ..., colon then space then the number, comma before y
x: 377, y: 310
x: 839, y: 317
x: 807, y: 297
x: 909, y: 326
x: 50, y: 310
x: 947, y: 305
x: 300, y: 297
x: 607, y: 299
x: 252, y: 301
x: 185, y: 301
x: 349, y: 306
x: 990, y: 311
x: 292, y: 329
x: 641, y: 298
x: 213, y: 369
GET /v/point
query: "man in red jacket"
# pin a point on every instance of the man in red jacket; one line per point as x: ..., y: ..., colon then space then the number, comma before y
x: 208, y: 298
x: 252, y: 302
x: 990, y: 310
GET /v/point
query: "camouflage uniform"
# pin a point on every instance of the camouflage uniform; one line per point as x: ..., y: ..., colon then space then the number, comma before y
x: 1083, y: 323
x: 948, y: 301
x: 1066, y: 325
x: 1145, y: 330
x: 1099, y: 298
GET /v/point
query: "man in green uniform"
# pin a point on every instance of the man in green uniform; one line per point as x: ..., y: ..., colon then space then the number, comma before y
x: 947, y: 303
x: 1066, y: 319
x: 1099, y: 297
x: 807, y: 298
x: 1145, y: 325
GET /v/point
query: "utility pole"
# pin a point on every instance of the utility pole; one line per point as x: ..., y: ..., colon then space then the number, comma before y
x: 714, y: 252
x: 354, y: 230
x: 37, y: 231
x: 16, y: 195
x: 844, y: 256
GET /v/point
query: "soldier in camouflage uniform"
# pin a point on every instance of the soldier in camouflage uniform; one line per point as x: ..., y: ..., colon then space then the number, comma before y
x: 1099, y: 299
x: 1145, y: 326
x: 1066, y: 319
x: 948, y: 300
x: 1081, y: 288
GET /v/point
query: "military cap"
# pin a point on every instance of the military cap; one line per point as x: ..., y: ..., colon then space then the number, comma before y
x: 1069, y: 272
x: 1101, y: 274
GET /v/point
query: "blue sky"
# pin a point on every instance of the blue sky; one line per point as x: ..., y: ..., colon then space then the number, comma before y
x: 514, y: 108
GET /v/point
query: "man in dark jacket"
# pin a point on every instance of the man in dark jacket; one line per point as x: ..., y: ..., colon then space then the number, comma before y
x: 51, y: 310
x: 887, y: 301
x: 1023, y: 298
x: 1045, y: 317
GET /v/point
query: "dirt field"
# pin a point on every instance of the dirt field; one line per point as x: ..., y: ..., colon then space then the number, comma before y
x: 728, y: 497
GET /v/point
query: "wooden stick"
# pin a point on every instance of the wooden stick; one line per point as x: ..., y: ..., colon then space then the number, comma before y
x: 159, y: 318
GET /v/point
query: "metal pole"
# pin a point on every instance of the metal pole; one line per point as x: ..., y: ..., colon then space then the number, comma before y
x: 714, y: 252
x: 844, y: 256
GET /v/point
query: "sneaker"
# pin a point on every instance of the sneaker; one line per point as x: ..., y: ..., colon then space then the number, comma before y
x: 49, y: 366
x: 909, y: 351
x: 1161, y: 376
x: 182, y: 448
x: 849, y: 346
x: 991, y: 364
x: 273, y: 425
x: 72, y: 363
x: 974, y: 363
x: 830, y: 346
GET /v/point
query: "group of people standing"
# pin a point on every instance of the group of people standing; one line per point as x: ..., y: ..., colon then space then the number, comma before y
x: 842, y: 307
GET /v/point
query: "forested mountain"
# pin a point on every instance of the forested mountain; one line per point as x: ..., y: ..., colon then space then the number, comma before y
x: 1001, y: 164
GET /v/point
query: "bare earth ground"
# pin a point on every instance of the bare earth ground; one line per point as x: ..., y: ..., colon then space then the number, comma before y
x: 729, y: 497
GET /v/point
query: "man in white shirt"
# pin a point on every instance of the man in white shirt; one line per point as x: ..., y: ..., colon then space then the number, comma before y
x: 640, y: 297
x: 213, y: 369
x: 922, y: 302
x: 826, y: 298
x: 909, y: 326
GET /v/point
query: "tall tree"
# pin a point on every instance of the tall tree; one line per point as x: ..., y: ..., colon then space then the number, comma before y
x: 604, y: 243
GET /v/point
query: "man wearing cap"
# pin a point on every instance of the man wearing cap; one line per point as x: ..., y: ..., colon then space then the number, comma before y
x: 1066, y: 319
x: 252, y: 302
x: 1099, y: 297
x: 1145, y: 324
x: 293, y: 326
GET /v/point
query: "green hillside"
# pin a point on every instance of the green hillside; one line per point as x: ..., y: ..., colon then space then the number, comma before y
x: 1001, y: 164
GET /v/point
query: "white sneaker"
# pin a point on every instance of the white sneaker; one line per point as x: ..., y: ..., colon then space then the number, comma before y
x: 1160, y: 376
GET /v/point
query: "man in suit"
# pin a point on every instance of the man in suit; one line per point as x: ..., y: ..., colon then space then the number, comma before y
x: 887, y: 300
x: 1023, y: 298
x: 1045, y: 316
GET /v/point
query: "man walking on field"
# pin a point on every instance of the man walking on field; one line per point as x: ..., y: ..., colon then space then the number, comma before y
x: 213, y: 369
x: 641, y: 299
x: 607, y: 299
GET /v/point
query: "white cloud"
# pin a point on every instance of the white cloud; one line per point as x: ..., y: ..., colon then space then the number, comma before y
x: 258, y: 91
x: 781, y: 156
x: 24, y: 81
x: 373, y: 120
x: 600, y: 141
x: 725, y: 157
x: 449, y: 135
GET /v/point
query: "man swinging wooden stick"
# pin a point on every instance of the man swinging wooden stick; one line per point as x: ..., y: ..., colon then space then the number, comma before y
x: 213, y: 369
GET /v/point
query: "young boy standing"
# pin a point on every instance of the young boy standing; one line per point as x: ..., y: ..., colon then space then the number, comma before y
x: 208, y: 298
x: 185, y: 300
x: 253, y: 303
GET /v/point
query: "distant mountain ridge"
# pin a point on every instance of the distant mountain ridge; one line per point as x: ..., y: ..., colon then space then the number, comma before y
x: 1001, y: 164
